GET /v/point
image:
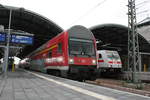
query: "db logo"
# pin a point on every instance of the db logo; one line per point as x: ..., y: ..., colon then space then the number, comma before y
x: 83, y: 61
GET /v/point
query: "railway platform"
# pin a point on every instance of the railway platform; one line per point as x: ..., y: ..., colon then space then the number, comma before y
x: 27, y: 85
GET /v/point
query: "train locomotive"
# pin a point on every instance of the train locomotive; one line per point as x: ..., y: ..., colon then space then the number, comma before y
x: 109, y: 62
x: 70, y: 54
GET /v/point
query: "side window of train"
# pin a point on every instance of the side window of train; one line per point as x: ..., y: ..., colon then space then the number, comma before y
x: 100, y: 56
x: 60, y: 47
x: 50, y: 54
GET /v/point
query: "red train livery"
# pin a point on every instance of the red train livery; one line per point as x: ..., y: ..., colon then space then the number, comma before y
x: 70, y: 54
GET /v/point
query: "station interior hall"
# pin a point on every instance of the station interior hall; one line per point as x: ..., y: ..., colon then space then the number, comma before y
x: 111, y: 36
x: 35, y: 53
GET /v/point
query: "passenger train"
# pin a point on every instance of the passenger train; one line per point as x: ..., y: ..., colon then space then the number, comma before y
x: 70, y: 54
x: 109, y: 62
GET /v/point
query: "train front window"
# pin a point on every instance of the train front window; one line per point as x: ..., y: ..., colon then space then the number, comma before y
x: 113, y: 56
x: 116, y: 57
x: 80, y: 47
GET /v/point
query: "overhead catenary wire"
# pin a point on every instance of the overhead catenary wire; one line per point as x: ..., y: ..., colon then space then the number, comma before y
x: 145, y: 11
x: 142, y: 11
x: 142, y: 3
x: 88, y: 12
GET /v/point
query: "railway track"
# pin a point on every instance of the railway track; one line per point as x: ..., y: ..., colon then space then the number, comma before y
x: 142, y: 89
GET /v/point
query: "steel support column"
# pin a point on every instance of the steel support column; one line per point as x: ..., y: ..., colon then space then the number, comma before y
x: 133, y: 44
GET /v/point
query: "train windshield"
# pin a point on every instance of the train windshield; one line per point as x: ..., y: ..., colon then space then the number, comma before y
x: 113, y: 56
x: 80, y: 47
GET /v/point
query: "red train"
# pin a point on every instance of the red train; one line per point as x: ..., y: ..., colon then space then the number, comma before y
x: 70, y: 54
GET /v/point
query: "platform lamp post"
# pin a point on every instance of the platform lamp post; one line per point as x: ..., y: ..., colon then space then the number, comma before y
x: 7, y: 44
x: 8, y: 37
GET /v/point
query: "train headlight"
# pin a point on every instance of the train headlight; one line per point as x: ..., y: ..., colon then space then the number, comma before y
x: 94, y: 61
x: 71, y: 61
x: 60, y: 59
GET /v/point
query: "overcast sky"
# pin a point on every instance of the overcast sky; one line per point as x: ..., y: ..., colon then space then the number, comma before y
x: 67, y: 13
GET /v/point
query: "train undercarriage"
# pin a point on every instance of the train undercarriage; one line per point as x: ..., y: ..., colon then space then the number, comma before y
x: 80, y: 73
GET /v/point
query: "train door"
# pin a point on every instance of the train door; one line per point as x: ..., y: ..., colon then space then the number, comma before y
x: 102, y: 61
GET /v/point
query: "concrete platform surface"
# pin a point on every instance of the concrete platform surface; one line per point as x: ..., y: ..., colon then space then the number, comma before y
x: 25, y: 85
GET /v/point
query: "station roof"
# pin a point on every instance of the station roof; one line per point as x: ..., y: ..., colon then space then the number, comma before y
x: 144, y: 28
x: 31, y: 22
x: 144, y: 22
x: 145, y: 32
x: 110, y: 36
x: 115, y: 37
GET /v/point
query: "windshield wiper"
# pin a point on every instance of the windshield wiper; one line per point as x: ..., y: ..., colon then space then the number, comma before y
x: 88, y: 54
x: 75, y: 53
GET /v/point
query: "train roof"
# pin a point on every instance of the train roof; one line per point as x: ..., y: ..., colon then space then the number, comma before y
x: 79, y: 31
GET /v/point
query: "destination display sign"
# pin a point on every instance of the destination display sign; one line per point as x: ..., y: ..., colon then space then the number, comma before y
x: 2, y: 37
x: 18, y: 39
x: 21, y: 39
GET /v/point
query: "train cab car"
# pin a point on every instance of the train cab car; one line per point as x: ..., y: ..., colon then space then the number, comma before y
x: 82, y: 52
x: 70, y: 54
